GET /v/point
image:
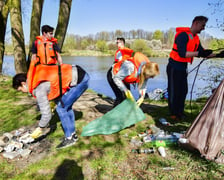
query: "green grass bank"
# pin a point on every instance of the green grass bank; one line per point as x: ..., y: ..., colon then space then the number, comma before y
x: 100, y: 156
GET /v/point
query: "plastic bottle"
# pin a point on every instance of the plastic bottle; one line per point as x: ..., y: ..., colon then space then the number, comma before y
x: 136, y: 142
x: 148, y: 138
x: 167, y: 138
x: 156, y: 131
x: 162, y: 151
x: 145, y: 151
x: 168, y: 168
x: 164, y: 122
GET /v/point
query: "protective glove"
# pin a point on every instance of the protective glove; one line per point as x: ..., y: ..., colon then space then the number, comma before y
x: 129, y: 95
x: 205, y: 53
x: 37, y: 133
x: 140, y: 101
x: 221, y: 54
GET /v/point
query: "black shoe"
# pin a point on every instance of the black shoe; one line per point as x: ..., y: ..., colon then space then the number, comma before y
x: 67, y: 142
x: 75, y: 137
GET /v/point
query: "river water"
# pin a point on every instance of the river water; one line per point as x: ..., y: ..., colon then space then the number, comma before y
x: 97, y: 67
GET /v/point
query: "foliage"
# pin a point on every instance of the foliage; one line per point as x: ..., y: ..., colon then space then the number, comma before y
x: 216, y: 44
x: 70, y: 42
x: 169, y: 38
x: 158, y: 35
x: 84, y: 43
x: 101, y: 45
x: 113, y: 46
x: 140, y: 45
x: 214, y: 77
x: 217, y: 7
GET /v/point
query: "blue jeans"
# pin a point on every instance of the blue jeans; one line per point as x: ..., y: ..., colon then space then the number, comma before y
x: 65, y: 113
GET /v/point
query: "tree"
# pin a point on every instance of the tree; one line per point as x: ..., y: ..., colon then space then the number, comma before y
x: 103, y: 35
x: 133, y: 34
x: 140, y: 45
x: 170, y: 37
x: 216, y: 44
x: 217, y: 7
x: 158, y: 35
x: 70, y: 42
x: 118, y: 33
x: 17, y: 36
x: 35, y: 24
x: 4, y: 11
x: 84, y: 43
x: 63, y: 19
x: 101, y: 45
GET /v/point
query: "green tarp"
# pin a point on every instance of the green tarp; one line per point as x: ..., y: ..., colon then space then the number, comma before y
x: 124, y: 115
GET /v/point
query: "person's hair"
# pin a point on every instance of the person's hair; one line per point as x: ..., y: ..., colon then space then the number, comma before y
x: 200, y: 18
x: 18, y: 79
x: 150, y: 69
x: 121, y: 39
x: 46, y: 29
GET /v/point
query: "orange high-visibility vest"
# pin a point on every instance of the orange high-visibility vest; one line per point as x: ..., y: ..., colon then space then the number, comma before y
x: 45, y: 50
x: 192, y: 45
x: 138, y: 60
x: 125, y: 53
x: 55, y: 74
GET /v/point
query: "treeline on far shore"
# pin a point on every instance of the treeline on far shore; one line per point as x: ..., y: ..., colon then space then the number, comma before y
x: 158, y: 45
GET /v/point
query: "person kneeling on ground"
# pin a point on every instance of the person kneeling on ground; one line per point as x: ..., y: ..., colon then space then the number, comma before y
x: 135, y: 70
x: 64, y: 84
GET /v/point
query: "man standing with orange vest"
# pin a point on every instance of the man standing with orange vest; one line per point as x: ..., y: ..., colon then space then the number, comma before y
x: 45, y: 47
x: 186, y: 46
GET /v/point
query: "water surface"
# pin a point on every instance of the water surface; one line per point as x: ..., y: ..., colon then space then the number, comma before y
x: 97, y: 67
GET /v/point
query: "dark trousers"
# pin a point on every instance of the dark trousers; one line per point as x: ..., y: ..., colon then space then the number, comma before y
x: 177, y: 90
x: 120, y: 96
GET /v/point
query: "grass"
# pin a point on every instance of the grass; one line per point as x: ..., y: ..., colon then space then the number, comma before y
x: 86, y: 53
x: 103, y: 157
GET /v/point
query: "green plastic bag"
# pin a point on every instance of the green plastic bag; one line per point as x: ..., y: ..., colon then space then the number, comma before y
x: 124, y: 115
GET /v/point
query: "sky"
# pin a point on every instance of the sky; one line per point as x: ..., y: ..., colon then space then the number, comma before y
x: 92, y: 16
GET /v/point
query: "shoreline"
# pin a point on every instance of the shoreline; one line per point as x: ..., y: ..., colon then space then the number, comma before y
x: 158, y: 53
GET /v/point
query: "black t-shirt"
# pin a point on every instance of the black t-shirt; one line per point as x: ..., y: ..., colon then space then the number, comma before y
x: 181, y: 42
x: 81, y: 74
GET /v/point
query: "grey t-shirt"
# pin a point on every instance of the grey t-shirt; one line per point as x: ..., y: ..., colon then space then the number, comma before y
x: 126, y: 69
x: 41, y: 93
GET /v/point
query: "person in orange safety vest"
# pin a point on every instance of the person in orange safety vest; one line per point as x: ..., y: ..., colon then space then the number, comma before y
x: 45, y: 47
x: 134, y: 70
x: 186, y: 46
x: 64, y: 84
x: 122, y: 53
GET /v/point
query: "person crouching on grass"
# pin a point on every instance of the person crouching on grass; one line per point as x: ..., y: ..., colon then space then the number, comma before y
x: 64, y: 85
x: 134, y: 70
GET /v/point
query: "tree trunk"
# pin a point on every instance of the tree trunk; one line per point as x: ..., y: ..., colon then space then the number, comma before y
x: 4, y: 11
x: 63, y: 19
x: 35, y: 24
x: 17, y: 36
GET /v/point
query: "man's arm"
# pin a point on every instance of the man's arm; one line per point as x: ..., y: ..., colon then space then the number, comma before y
x: 57, y: 50
x: 126, y: 69
x: 59, y: 58
x: 41, y: 95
